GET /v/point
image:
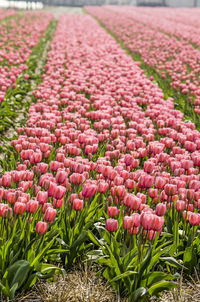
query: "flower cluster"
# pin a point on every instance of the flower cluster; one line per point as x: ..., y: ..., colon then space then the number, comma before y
x: 87, y: 135
x: 163, y: 44
x: 17, y: 38
x: 7, y: 13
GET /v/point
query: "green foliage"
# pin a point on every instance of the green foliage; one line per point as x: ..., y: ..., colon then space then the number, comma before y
x: 131, y: 268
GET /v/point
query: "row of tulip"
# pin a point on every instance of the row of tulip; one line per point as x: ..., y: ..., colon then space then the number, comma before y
x: 18, y: 97
x: 18, y: 36
x: 105, y: 169
x: 4, y: 14
x: 166, y: 21
x: 174, y: 61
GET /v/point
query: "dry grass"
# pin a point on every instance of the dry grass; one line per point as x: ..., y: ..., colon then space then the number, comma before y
x: 82, y: 285
x: 188, y: 290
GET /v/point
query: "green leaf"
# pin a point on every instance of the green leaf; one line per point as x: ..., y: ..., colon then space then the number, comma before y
x: 82, y: 237
x: 124, y: 275
x: 5, y: 290
x: 144, y: 265
x: 94, y: 239
x: 160, y: 286
x: 154, y: 277
x: 18, y: 272
x: 138, y: 294
x: 42, y: 253
x: 190, y: 258
x: 172, y: 262
x: 13, y: 290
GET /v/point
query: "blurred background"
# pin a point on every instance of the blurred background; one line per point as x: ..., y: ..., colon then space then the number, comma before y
x: 80, y: 3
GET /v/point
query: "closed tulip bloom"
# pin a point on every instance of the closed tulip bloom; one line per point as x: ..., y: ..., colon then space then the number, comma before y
x: 120, y: 191
x: 160, y: 183
x: 128, y: 159
x: 136, y: 219
x: 72, y: 197
x: 147, y: 220
x: 180, y: 205
x: 118, y: 181
x: 158, y: 223
x: 52, y: 186
x: 32, y: 206
x: 161, y: 209
x: 45, y: 206
x: 151, y: 235
x: 58, y: 203
x: 42, y: 197
x: 3, y: 207
x: 134, y: 202
x: 59, y: 192
x: 113, y: 212
x: 127, y: 222
x: 153, y: 193
x: 50, y: 214
x: 19, y: 208
x: 186, y: 164
x: 149, y: 166
x: 42, y: 167
x: 134, y: 230
x: 190, y: 194
x: 89, y: 190
x: 194, y: 219
x: 6, y: 180
x: 7, y: 213
x: 170, y: 189
x: 77, y: 204
x: 190, y: 207
x: 103, y: 187
x: 111, y: 225
x: 11, y: 197
x: 61, y: 176
x: 41, y: 227
x: 146, y: 181
x: 130, y: 184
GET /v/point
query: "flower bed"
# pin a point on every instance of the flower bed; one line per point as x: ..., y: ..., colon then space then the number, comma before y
x: 6, y: 14
x: 105, y: 170
x: 18, y: 37
x: 18, y: 75
x: 174, y: 62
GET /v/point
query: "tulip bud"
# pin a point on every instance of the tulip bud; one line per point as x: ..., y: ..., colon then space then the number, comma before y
x: 111, y: 225
x: 194, y: 219
x: 113, y: 212
x: 19, y: 208
x: 89, y: 190
x: 127, y: 222
x: 147, y: 220
x: 50, y: 214
x: 136, y: 219
x: 77, y: 204
x: 42, y: 197
x: 161, y: 209
x: 41, y: 227
x: 180, y: 205
x: 58, y: 203
x: 32, y: 206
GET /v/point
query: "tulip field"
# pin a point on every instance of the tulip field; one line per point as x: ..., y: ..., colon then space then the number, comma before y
x: 105, y: 167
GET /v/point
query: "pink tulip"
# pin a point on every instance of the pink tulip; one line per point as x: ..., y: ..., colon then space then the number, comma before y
x: 50, y: 214
x: 77, y: 204
x: 111, y: 225
x: 41, y: 227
